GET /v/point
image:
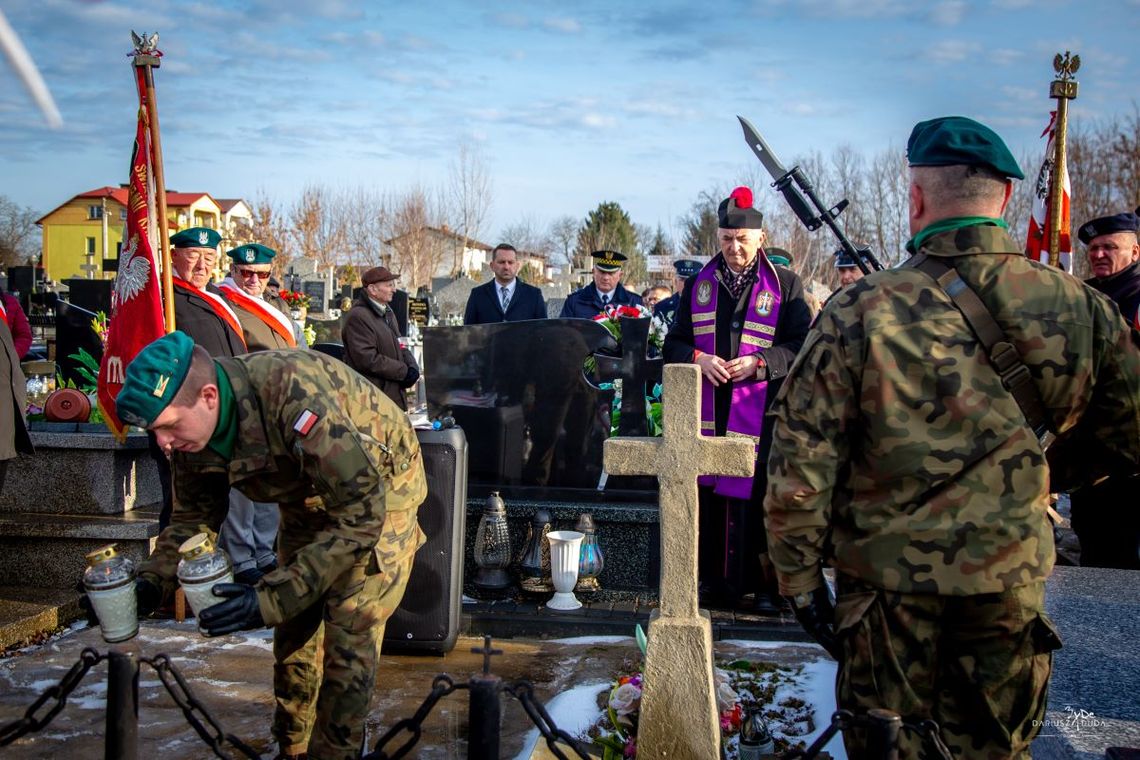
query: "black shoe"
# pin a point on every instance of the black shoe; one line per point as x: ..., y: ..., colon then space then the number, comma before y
x: 249, y: 576
x: 770, y: 605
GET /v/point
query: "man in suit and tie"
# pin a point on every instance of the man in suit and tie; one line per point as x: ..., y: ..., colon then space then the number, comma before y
x: 606, y: 289
x: 505, y: 298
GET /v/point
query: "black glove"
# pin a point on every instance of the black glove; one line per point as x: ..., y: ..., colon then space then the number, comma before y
x: 816, y: 614
x: 412, y: 376
x: 240, y: 611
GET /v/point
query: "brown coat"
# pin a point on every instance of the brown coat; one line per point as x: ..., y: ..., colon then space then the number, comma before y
x: 14, y: 436
x: 372, y: 348
x: 258, y: 335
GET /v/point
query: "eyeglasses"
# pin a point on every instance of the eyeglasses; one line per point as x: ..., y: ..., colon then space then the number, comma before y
x: 246, y: 273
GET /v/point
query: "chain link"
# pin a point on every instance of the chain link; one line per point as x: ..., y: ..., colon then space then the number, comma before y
x: 60, y: 692
x: 441, y: 686
x: 523, y: 691
x: 180, y: 692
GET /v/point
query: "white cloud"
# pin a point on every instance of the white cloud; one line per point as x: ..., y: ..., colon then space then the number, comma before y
x: 948, y: 12
x: 952, y: 51
x: 562, y: 24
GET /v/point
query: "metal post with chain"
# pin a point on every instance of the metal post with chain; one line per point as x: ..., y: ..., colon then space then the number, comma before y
x: 60, y: 692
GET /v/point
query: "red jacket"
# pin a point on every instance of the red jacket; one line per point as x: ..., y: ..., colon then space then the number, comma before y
x: 18, y: 324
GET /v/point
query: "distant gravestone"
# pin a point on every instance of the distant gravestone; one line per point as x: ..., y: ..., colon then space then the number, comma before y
x: 315, y: 290
x: 679, y: 718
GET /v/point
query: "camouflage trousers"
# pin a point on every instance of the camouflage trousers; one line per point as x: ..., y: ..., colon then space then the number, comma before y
x: 325, y: 658
x: 978, y: 665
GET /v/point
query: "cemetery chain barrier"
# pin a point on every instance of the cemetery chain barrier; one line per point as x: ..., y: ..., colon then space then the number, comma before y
x: 882, y: 727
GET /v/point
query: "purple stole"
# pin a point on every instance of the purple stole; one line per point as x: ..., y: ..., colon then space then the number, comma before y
x: 746, y: 410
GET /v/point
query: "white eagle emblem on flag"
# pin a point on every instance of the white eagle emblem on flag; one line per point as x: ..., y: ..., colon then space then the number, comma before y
x: 134, y: 272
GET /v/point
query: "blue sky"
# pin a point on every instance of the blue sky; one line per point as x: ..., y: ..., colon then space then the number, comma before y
x: 569, y: 104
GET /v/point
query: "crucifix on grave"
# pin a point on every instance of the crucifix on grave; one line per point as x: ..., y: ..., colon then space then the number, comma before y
x: 638, y: 374
x: 678, y: 702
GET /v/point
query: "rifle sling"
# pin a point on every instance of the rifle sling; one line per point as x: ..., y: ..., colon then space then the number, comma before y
x: 1015, y: 376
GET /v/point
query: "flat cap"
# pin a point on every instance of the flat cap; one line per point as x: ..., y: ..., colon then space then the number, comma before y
x: 1127, y: 221
x: 378, y: 274
x: 959, y: 141
x: 196, y: 237
x: 153, y: 379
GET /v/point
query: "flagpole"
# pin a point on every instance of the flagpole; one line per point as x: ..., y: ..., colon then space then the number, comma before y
x: 147, y: 57
x: 1062, y: 89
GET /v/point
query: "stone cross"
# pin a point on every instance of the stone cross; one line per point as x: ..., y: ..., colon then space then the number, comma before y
x: 678, y: 702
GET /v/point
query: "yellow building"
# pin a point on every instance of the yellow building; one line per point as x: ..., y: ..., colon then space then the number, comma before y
x: 82, y: 237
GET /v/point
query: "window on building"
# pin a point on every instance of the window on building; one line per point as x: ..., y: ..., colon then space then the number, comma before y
x: 90, y: 246
x: 94, y: 212
x: 122, y: 215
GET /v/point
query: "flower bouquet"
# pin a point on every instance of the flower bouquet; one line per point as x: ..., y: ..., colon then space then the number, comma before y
x: 295, y: 299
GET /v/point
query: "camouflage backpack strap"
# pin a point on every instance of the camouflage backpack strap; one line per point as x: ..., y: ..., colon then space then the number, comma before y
x: 1004, y: 357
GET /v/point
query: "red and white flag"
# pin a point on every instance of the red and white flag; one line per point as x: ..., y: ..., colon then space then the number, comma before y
x: 136, y: 303
x: 1037, y: 242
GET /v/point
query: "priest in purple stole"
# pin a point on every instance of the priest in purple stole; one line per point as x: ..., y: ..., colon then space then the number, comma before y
x: 742, y: 321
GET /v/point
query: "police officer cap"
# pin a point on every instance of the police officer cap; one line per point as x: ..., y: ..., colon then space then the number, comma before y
x: 153, y: 379
x: 608, y: 261
x: 687, y: 268
x: 736, y: 213
x: 1106, y: 225
x: 195, y: 237
x: 778, y: 256
x: 843, y: 261
x: 252, y: 253
x: 958, y: 141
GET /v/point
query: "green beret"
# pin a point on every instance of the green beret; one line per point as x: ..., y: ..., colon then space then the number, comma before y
x: 778, y: 256
x: 958, y: 141
x: 196, y: 237
x: 252, y: 253
x: 153, y: 379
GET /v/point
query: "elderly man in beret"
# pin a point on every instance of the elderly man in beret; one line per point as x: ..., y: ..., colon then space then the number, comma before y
x: 741, y: 320
x: 303, y: 430
x: 371, y: 337
x: 1104, y: 517
x: 199, y: 308
x: 264, y: 317
x: 901, y: 460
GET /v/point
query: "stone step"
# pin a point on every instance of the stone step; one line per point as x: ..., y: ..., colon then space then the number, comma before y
x: 76, y: 470
x: 47, y: 550
x: 26, y: 612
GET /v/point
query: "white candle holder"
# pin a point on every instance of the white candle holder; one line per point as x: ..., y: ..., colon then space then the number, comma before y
x: 565, y: 547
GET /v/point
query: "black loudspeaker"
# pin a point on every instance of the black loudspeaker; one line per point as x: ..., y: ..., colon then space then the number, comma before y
x: 427, y: 620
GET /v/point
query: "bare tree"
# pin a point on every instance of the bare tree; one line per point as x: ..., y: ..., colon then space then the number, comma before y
x: 469, y: 186
x: 417, y: 252
x: 563, y: 235
x: 19, y: 238
x: 268, y: 227
x: 315, y: 226
x: 366, y: 221
x: 525, y: 235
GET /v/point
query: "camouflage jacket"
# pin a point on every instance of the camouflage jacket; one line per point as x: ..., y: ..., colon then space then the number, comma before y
x: 359, y: 459
x: 899, y: 458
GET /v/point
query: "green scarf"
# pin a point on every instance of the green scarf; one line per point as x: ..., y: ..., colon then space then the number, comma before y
x: 953, y: 223
x: 225, y: 434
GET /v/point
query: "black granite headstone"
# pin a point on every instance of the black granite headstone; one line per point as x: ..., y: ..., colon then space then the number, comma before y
x: 93, y: 295
x: 73, y: 331
x: 534, y: 424
x: 418, y: 311
x: 315, y: 290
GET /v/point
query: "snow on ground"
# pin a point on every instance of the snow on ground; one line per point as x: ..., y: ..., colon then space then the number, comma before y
x: 573, y: 711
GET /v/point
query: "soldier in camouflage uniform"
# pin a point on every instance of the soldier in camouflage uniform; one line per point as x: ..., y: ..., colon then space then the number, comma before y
x: 305, y: 431
x: 900, y: 460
